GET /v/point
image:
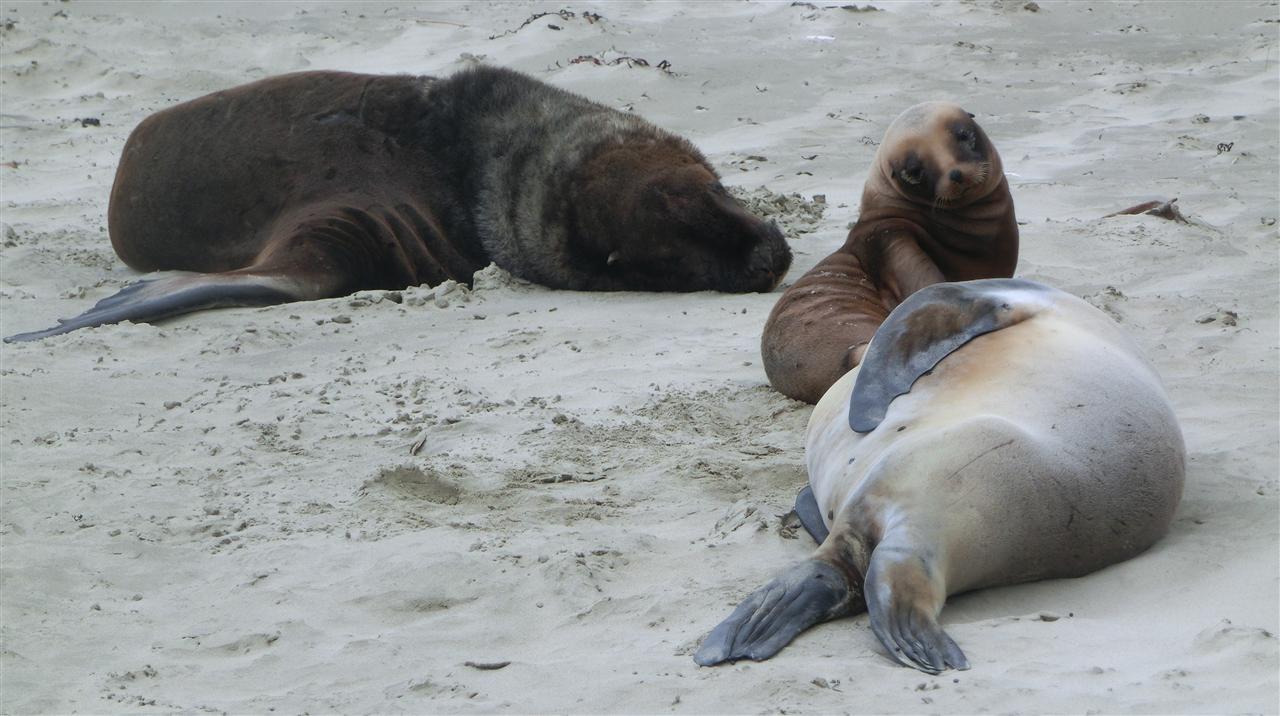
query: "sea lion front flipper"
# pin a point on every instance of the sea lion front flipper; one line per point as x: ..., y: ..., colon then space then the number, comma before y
x: 811, y: 515
x: 903, y: 602
x: 155, y: 299
x: 808, y: 593
x: 923, y: 330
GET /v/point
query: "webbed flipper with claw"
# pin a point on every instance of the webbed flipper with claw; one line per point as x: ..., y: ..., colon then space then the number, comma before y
x: 904, y: 599
x: 156, y: 299
x: 808, y: 593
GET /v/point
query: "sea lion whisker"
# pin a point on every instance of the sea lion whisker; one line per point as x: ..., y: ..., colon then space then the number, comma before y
x: 984, y: 171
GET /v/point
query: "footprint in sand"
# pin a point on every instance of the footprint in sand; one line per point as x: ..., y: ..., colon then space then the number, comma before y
x: 412, y: 483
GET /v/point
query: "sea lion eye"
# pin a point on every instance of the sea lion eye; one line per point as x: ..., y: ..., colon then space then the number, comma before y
x: 911, y: 175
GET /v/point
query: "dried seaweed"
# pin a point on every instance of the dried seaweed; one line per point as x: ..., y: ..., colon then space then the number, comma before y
x: 628, y: 60
x: 564, y: 14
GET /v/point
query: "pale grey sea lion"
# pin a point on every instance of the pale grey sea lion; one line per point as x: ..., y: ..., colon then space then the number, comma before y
x: 997, y: 431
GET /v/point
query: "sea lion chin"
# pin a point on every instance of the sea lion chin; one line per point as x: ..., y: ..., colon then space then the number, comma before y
x: 935, y: 207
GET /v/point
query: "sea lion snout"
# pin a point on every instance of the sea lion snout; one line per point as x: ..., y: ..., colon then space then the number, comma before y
x: 768, y: 254
x: 741, y: 252
x: 957, y: 184
x: 764, y: 248
x: 660, y: 219
x: 770, y: 260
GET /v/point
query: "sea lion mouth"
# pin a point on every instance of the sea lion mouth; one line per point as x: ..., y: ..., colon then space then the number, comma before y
x: 951, y: 197
x: 958, y: 184
x: 775, y: 261
x: 764, y: 268
x: 951, y: 193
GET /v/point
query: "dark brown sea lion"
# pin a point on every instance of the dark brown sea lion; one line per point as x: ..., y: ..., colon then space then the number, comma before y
x: 317, y: 184
x: 936, y: 207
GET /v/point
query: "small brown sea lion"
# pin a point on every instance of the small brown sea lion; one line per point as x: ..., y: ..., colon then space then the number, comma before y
x: 997, y: 431
x: 318, y: 184
x: 936, y: 207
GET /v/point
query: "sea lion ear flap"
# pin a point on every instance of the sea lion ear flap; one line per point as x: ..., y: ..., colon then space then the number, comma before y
x: 923, y: 330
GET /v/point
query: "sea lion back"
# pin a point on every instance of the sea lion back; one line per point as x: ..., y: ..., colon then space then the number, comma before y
x: 217, y: 172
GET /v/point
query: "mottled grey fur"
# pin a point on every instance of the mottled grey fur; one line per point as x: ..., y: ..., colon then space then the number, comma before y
x: 529, y: 145
x: 525, y: 157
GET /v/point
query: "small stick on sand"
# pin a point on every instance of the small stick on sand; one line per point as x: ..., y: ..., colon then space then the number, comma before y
x: 417, y: 445
x: 438, y: 22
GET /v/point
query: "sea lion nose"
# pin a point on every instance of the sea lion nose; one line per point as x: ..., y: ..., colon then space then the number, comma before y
x: 956, y: 175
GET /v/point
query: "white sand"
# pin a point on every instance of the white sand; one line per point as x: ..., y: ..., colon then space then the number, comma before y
x: 222, y: 513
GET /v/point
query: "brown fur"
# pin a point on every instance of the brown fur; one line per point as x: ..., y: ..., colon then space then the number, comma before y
x: 644, y: 209
x: 908, y: 236
x: 213, y: 185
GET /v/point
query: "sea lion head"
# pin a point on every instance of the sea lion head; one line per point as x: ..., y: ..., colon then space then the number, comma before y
x: 936, y: 154
x: 658, y: 218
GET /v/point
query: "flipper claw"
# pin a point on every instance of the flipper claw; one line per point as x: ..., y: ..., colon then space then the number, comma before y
x: 914, y: 639
x: 903, y: 618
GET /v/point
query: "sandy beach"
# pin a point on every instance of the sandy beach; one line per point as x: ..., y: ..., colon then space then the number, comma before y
x: 366, y: 504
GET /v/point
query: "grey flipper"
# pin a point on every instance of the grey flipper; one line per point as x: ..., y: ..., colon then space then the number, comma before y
x: 809, y: 593
x: 923, y: 330
x: 902, y: 603
x: 810, y: 515
x: 156, y: 299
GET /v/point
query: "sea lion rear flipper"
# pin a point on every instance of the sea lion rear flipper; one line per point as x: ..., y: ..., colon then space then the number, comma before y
x: 923, y: 330
x: 903, y: 603
x: 811, y: 592
x: 810, y: 515
x: 156, y: 299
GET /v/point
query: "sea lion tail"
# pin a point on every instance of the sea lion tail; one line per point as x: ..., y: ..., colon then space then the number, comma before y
x: 811, y: 592
x: 156, y: 299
